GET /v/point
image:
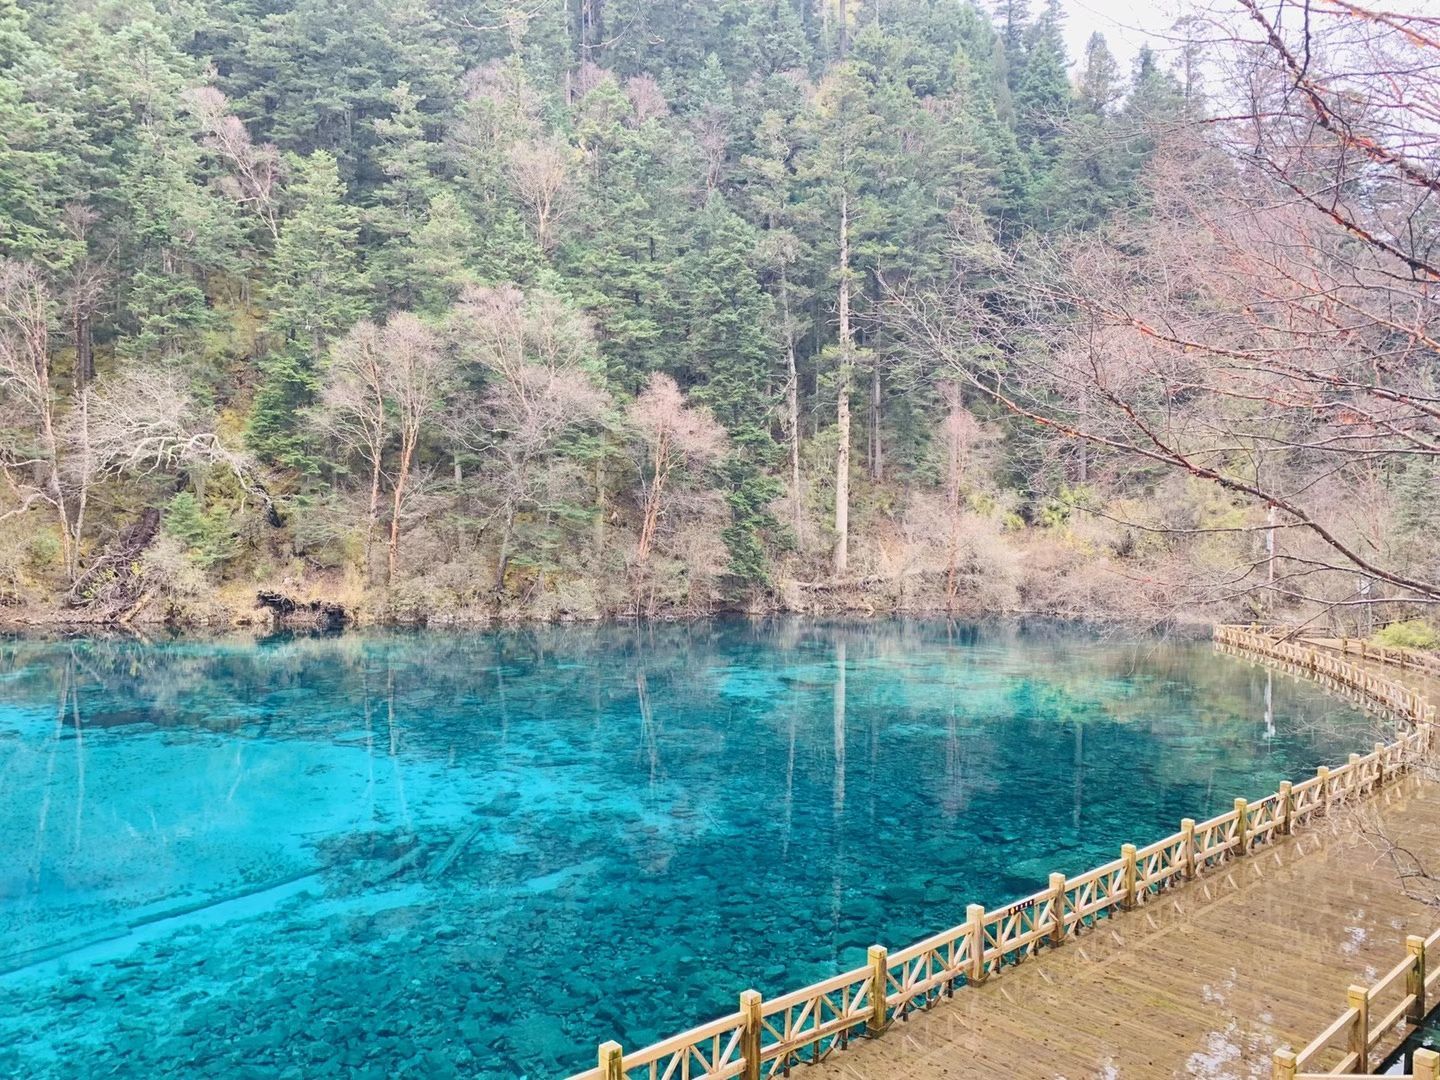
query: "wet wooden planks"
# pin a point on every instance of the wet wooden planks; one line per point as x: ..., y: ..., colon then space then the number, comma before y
x: 1205, y: 981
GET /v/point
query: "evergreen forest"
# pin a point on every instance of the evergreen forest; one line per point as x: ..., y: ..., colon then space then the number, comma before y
x: 460, y: 310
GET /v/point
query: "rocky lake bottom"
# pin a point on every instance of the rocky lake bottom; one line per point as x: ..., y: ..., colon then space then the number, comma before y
x: 440, y: 854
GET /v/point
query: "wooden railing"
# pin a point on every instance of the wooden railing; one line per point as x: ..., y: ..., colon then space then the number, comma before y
x: 1417, y: 659
x: 763, y: 1039
x: 1352, y: 1045
x: 1372, y: 684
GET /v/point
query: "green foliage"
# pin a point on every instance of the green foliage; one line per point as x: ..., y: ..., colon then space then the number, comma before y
x: 318, y: 292
x: 706, y: 151
x: 1410, y: 634
x: 748, y: 495
x: 208, y: 535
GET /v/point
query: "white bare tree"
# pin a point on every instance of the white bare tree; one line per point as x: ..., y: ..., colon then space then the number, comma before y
x: 418, y: 374
x: 537, y: 356
x: 677, y: 438
x: 353, y: 409
x: 541, y: 174
x: 255, y: 179
x: 31, y: 449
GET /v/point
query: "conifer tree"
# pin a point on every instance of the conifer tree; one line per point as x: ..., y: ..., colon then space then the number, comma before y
x: 30, y: 166
x: 317, y: 292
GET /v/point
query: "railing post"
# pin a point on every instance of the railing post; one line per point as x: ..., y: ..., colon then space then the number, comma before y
x: 1358, y: 998
x: 751, y: 1010
x: 1415, y: 981
x: 1242, y: 826
x: 612, y: 1061
x: 879, y: 974
x: 1425, y: 1065
x: 975, y: 915
x: 1057, y: 908
x: 1187, y: 830
x: 1323, y: 802
x: 1287, y: 809
x: 1379, y: 766
x: 1284, y: 1067
x: 1355, y: 773
x: 1132, y: 874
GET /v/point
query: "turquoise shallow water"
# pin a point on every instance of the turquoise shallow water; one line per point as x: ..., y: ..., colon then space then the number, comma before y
x: 478, y: 854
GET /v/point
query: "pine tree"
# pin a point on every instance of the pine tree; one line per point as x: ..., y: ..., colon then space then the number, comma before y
x: 30, y: 165
x: 1042, y: 90
x: 840, y: 164
x: 406, y: 159
x: 316, y: 75
x: 622, y: 249
x: 1098, y: 87
x: 317, y: 292
x: 177, y: 230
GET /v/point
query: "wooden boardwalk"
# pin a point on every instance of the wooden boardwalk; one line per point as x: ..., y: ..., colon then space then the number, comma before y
x: 1204, y: 981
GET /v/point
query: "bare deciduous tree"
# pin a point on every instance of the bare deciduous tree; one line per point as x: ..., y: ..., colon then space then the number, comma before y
x: 31, y: 454
x: 537, y: 356
x: 646, y: 98
x: 541, y: 175
x: 676, y: 437
x: 417, y: 372
x: 353, y: 408
x: 254, y: 180
x: 147, y: 421
x: 1270, y: 326
x: 959, y: 433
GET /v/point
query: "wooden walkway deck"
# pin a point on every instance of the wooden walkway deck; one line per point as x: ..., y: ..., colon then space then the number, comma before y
x: 1204, y: 981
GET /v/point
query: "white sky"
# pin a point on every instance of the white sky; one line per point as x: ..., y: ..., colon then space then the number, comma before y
x: 1123, y: 22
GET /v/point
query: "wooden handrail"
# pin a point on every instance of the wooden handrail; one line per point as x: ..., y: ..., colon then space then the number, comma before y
x: 1426, y: 1064
x: 1363, y: 1034
x: 823, y: 1017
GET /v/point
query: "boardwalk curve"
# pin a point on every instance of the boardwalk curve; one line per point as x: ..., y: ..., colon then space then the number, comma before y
x: 1073, y: 923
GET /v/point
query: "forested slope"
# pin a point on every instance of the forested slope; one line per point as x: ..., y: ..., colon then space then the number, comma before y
x: 570, y: 308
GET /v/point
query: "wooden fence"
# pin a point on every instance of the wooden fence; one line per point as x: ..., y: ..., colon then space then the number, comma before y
x: 1425, y: 662
x: 763, y: 1039
x: 1352, y: 1045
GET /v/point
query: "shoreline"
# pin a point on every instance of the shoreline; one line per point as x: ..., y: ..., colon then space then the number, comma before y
x: 263, y: 625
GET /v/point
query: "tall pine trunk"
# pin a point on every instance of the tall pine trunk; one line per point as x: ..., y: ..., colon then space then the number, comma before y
x: 877, y: 459
x: 842, y: 411
x: 792, y: 404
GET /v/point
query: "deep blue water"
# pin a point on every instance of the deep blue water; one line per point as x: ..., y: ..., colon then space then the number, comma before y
x: 437, y: 854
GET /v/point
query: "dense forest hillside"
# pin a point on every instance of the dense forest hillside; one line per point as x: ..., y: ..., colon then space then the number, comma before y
x: 568, y: 308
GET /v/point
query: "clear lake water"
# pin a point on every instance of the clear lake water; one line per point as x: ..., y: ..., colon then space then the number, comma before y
x: 440, y: 854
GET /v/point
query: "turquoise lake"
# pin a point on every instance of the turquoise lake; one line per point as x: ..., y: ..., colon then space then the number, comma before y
x: 441, y: 854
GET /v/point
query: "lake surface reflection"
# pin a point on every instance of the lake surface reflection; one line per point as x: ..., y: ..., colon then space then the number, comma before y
x: 439, y: 854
